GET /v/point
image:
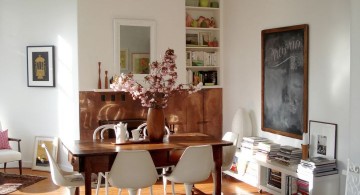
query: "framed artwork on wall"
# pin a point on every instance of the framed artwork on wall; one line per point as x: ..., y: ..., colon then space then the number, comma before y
x: 322, y: 139
x: 40, y: 66
x: 40, y: 159
x: 284, y: 77
x: 140, y: 63
x: 204, y: 38
x: 124, y: 59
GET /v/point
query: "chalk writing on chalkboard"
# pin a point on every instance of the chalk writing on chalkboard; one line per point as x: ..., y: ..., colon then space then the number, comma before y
x: 284, y: 80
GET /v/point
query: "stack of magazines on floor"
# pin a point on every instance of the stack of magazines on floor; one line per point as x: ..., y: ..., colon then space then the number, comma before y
x: 267, y: 151
x: 288, y: 155
x: 317, y: 167
x: 249, y: 145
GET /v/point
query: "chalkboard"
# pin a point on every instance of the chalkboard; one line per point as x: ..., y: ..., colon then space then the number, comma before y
x: 285, y: 80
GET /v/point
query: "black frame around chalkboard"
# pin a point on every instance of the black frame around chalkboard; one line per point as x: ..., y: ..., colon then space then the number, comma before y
x: 284, y: 85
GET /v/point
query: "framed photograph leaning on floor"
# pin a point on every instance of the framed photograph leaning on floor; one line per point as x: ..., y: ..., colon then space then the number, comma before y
x: 40, y: 160
x: 322, y: 139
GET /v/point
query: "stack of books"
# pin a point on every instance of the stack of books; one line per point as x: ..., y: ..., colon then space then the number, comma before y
x: 274, y: 179
x: 288, y: 155
x: 317, y: 167
x: 267, y: 151
x: 249, y: 145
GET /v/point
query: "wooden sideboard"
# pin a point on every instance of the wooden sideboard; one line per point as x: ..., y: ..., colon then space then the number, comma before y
x: 199, y: 112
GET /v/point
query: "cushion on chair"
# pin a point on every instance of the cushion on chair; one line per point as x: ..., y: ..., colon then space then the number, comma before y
x: 4, y: 139
x: 8, y: 155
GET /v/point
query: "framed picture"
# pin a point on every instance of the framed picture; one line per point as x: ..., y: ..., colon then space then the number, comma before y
x: 40, y: 159
x: 322, y: 139
x: 40, y: 66
x: 284, y: 80
x: 124, y: 60
x: 140, y: 63
x: 204, y: 38
x: 192, y: 39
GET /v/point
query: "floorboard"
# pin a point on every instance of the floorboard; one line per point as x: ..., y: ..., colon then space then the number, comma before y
x: 230, y: 187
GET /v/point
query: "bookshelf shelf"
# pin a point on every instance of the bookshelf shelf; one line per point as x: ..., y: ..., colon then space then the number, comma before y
x: 328, y: 185
x: 204, y: 44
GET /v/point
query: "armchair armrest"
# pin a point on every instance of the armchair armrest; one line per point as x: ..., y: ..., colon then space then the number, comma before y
x: 17, y: 140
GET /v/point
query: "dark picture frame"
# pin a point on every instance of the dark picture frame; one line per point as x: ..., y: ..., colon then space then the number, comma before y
x: 284, y: 85
x: 40, y: 66
x: 322, y: 139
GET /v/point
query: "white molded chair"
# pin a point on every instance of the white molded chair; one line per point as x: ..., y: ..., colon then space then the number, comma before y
x: 352, y: 186
x: 194, y: 166
x: 102, y: 129
x: 164, y: 168
x: 70, y: 180
x: 228, y: 153
x: 10, y: 155
x: 132, y: 169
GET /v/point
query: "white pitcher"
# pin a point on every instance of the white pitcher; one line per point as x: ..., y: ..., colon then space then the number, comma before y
x: 121, y: 132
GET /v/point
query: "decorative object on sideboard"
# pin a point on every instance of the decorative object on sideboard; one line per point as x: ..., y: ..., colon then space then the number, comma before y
x: 284, y: 87
x: 106, y: 80
x: 40, y: 66
x: 322, y: 139
x: 241, y: 124
x: 99, y: 80
x: 204, y: 3
x: 154, y: 94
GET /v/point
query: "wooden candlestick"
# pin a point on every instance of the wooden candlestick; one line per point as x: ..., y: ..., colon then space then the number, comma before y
x: 99, y: 81
x: 106, y: 80
x: 305, y: 151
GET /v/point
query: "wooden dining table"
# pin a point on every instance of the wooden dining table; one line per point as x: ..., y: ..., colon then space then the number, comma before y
x: 93, y: 156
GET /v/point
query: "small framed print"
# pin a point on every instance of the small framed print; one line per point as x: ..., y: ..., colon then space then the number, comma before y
x: 40, y: 160
x: 40, y: 66
x: 192, y: 39
x: 140, y: 63
x: 204, y: 38
x: 322, y: 139
x: 124, y: 60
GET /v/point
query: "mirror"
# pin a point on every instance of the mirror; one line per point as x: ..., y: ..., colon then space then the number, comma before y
x: 134, y: 46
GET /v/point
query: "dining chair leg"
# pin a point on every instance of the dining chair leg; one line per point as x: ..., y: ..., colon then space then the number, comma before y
x: 188, y: 188
x: 151, y: 190
x: 164, y: 180
x: 173, y: 188
x: 132, y: 191
x: 98, y: 184
x: 4, y: 167
x: 106, y: 183
x: 71, y: 190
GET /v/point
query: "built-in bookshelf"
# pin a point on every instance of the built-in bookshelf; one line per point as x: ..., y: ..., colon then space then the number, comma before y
x: 203, y: 43
x: 279, y: 179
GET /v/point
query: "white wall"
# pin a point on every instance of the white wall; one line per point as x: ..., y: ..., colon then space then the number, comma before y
x: 355, y: 82
x: 95, y: 28
x: 329, y: 60
x: 33, y: 111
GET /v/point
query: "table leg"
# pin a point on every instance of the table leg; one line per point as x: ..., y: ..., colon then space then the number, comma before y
x: 87, y: 172
x: 217, y: 155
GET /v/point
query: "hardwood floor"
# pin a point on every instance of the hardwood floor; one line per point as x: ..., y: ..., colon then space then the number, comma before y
x: 230, y: 187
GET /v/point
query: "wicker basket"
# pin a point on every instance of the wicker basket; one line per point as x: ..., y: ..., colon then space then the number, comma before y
x: 194, y: 3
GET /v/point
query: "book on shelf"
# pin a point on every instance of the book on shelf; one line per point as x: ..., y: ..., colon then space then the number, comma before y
x: 254, y: 139
x: 318, y: 160
x: 290, y: 150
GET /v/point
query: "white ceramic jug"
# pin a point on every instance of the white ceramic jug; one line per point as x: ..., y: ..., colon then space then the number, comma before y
x: 121, y: 132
